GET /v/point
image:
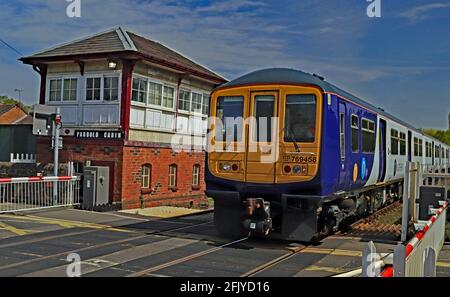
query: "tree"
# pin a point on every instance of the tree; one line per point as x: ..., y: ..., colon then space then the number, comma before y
x: 10, y: 101
x: 443, y: 136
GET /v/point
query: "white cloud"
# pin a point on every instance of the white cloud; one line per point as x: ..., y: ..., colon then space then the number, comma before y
x: 228, y: 6
x: 230, y: 37
x: 419, y: 13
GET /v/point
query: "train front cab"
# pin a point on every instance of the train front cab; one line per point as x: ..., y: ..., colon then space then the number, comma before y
x: 258, y: 178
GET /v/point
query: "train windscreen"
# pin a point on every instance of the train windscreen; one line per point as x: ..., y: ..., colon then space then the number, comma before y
x: 300, y: 119
x: 230, y: 110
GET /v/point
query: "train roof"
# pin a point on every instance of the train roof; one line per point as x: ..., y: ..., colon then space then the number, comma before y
x: 292, y: 76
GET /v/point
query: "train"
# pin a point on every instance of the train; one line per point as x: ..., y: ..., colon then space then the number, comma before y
x: 291, y: 156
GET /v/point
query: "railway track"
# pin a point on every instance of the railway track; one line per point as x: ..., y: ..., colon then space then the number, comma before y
x: 266, y: 266
x: 178, y: 261
x: 384, y: 223
x: 91, y: 247
x: 380, y: 224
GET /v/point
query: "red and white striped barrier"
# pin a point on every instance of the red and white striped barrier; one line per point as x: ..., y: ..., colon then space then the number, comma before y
x: 419, y: 236
x: 14, y: 180
x: 417, y: 239
x: 39, y: 192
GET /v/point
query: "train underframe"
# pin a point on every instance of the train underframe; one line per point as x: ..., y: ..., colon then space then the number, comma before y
x: 296, y: 217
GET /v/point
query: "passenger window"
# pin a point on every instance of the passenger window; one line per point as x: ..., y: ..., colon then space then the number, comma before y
x: 420, y: 148
x: 263, y: 113
x: 394, y: 142
x: 300, y: 118
x: 342, y: 134
x: 355, y: 133
x: 402, y: 144
x: 230, y: 112
x: 368, y: 136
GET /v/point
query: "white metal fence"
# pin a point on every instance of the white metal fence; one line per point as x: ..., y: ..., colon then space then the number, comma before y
x: 31, y: 193
x: 23, y: 158
x: 423, y: 249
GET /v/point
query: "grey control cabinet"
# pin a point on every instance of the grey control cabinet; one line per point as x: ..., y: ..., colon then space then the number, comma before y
x: 429, y: 197
x: 95, y: 187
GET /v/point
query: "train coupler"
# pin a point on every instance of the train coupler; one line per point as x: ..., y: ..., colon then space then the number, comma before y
x: 258, y: 220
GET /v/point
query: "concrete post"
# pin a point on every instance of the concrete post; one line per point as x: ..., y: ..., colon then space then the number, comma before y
x: 406, y: 196
x: 400, y: 261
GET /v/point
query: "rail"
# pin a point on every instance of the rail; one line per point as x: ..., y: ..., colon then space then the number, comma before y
x: 32, y: 193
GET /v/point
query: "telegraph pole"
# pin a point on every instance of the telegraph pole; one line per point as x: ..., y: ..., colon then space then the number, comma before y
x: 20, y: 93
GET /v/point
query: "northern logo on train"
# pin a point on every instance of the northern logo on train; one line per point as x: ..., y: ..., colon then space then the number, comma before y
x: 363, y: 169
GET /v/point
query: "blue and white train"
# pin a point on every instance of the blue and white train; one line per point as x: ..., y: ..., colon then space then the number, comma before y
x: 330, y: 155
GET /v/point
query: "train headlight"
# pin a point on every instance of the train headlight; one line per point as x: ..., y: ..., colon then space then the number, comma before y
x: 299, y: 169
x: 226, y: 167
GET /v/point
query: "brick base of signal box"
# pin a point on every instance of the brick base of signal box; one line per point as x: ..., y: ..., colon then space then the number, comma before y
x: 125, y: 161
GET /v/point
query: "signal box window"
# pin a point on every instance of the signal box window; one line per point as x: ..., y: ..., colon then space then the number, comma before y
x: 70, y: 89
x: 139, y: 93
x: 111, y: 88
x: 355, y: 133
x: 93, y: 88
x: 63, y: 89
x: 368, y: 136
x: 230, y: 110
x: 300, y: 118
x: 154, y: 93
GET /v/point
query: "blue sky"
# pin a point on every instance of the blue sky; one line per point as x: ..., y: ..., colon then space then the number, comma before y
x: 400, y: 62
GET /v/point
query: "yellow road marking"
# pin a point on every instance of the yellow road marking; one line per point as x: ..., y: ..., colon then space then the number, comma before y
x: 326, y: 269
x: 443, y: 264
x: 68, y: 224
x: 13, y: 229
x: 333, y: 252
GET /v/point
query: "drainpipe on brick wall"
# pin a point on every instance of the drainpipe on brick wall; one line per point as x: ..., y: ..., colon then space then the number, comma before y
x: 125, y: 104
x: 42, y: 70
x: 180, y: 80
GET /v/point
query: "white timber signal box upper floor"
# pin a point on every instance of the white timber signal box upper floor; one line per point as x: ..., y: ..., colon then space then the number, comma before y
x: 120, y: 81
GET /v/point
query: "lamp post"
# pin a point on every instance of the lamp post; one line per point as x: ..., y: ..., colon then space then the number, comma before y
x: 20, y: 93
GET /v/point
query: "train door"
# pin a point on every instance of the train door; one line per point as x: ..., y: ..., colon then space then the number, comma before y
x: 343, y: 143
x: 382, y: 148
x: 261, y: 144
x: 409, y: 146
